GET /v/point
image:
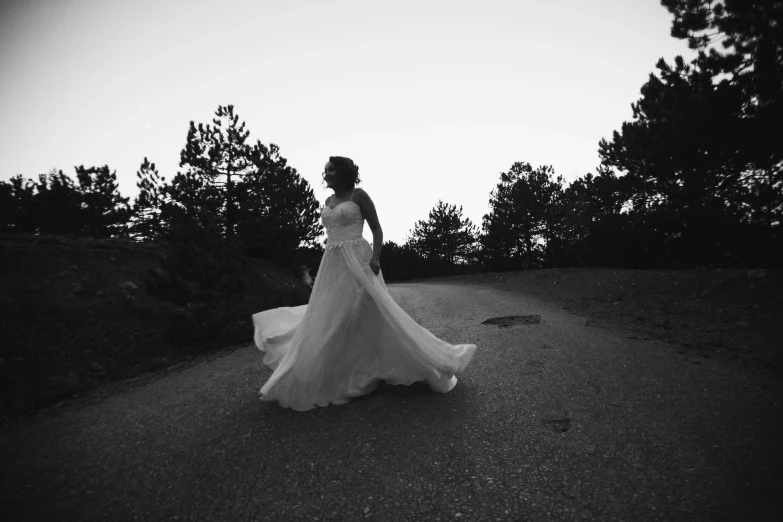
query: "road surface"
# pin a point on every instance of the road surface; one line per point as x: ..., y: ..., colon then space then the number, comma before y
x: 555, y: 420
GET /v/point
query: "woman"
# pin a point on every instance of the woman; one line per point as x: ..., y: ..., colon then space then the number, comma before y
x: 351, y: 335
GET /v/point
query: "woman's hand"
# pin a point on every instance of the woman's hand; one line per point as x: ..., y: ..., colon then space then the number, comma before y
x: 375, y: 266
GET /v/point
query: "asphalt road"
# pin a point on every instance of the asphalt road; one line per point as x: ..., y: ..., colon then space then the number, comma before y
x: 552, y: 421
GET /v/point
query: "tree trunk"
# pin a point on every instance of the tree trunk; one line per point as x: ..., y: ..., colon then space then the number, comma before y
x: 229, y: 201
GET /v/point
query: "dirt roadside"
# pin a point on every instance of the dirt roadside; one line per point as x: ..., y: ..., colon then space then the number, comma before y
x: 734, y: 315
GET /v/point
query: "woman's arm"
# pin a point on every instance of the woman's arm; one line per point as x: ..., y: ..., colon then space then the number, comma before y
x: 362, y: 199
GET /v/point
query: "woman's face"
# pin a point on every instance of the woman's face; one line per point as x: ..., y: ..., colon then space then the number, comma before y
x: 330, y: 175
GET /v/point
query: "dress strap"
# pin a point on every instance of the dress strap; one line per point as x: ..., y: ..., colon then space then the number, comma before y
x: 352, y: 193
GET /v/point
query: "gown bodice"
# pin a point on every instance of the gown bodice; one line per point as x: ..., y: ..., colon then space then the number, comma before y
x: 344, y: 222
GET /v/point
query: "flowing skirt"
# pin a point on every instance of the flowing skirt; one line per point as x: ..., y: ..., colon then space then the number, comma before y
x: 349, y: 337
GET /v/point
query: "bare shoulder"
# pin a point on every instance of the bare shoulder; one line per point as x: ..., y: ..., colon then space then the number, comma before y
x: 367, y: 207
x: 361, y: 196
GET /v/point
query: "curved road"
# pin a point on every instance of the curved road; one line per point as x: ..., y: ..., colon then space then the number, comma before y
x: 551, y: 421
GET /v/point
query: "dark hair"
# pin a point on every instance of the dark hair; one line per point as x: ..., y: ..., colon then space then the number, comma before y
x: 347, y: 170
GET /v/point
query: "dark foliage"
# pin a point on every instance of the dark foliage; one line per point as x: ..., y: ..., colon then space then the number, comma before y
x: 741, y: 42
x: 445, y: 238
x: 277, y: 208
x: 217, y: 157
x: 257, y: 198
x: 20, y: 214
x: 147, y: 223
x: 591, y: 221
x: 444, y: 243
x: 308, y: 259
x: 703, y: 166
x: 401, y: 263
x: 105, y: 211
x: 56, y: 205
x: 8, y: 207
x: 200, y: 275
x: 190, y: 194
x: 523, y: 218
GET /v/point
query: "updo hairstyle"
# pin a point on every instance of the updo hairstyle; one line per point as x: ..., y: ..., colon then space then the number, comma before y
x: 347, y: 170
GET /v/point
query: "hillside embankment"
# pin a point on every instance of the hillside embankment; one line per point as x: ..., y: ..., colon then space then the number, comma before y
x: 77, y: 313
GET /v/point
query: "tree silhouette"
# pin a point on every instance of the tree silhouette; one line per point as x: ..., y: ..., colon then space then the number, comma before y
x: 522, y: 217
x: 445, y: 238
x: 105, y: 211
x: 147, y: 224
x: 553, y: 205
x: 682, y: 160
x: 19, y: 215
x: 200, y: 272
x: 750, y: 34
x: 217, y: 156
x: 277, y: 209
x: 57, y: 204
x: 742, y: 41
x: 8, y: 208
x: 189, y: 195
x: 401, y: 262
x: 592, y: 214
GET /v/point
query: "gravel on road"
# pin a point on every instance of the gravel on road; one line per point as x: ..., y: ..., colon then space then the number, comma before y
x: 553, y: 420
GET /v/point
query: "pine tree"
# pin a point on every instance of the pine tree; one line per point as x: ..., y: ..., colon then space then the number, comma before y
x: 58, y: 204
x: 105, y: 211
x: 217, y: 156
x: 147, y: 208
x: 741, y: 41
x: 188, y: 195
x: 8, y: 208
x: 683, y: 158
x: 401, y: 262
x: 550, y: 190
x: 445, y: 238
x: 277, y: 209
x: 522, y: 217
x: 591, y: 205
x: 20, y: 214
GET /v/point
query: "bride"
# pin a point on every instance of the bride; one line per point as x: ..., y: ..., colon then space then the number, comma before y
x: 351, y: 335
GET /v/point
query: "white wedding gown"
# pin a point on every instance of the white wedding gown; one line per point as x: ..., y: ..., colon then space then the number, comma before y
x: 351, y: 335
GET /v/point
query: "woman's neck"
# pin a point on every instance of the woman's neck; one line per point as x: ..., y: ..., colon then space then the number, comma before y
x: 342, y: 192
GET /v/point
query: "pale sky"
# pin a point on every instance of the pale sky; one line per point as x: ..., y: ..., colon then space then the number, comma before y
x: 432, y: 99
